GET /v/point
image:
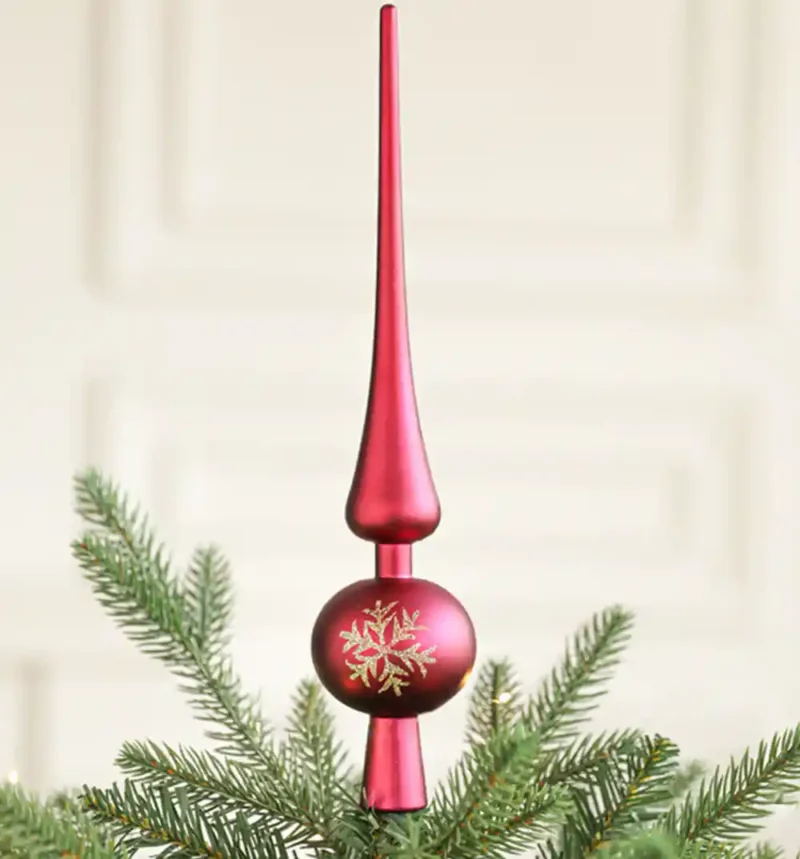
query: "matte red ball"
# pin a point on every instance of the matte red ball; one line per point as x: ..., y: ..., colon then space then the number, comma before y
x: 393, y: 647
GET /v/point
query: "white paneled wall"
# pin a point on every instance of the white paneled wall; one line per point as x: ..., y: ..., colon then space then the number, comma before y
x: 601, y: 208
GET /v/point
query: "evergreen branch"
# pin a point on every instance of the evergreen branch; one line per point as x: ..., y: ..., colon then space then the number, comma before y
x: 316, y: 754
x: 30, y: 828
x: 732, y: 804
x: 508, y: 820
x: 155, y: 615
x: 506, y: 754
x: 760, y: 850
x: 360, y: 833
x: 766, y: 850
x: 69, y: 803
x: 700, y: 849
x: 477, y: 771
x: 208, y: 598
x: 621, y: 801
x: 582, y: 759
x: 686, y: 778
x: 647, y: 844
x: 151, y: 608
x: 566, y: 698
x: 491, y: 800
x: 494, y: 701
x: 503, y: 825
x: 525, y: 772
x: 650, y: 775
x: 144, y: 817
x: 159, y: 618
x: 537, y: 812
x: 101, y: 503
x: 398, y: 836
x: 220, y: 786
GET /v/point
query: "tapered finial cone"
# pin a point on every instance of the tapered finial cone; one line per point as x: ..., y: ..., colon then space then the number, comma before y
x: 392, y: 499
x: 393, y: 646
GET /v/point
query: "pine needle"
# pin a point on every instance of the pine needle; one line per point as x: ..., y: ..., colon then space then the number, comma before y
x: 527, y: 779
x: 495, y: 701
x: 626, y: 799
x: 130, y: 577
x: 316, y: 756
x: 209, y: 599
x: 218, y: 786
x: 734, y: 803
x: 585, y: 759
x: 568, y: 696
x: 492, y: 800
x: 29, y: 827
x: 155, y: 817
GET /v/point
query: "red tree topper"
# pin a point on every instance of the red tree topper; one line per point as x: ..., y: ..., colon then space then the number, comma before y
x: 392, y: 646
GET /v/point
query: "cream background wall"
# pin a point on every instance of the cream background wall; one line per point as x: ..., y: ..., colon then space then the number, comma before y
x: 601, y: 211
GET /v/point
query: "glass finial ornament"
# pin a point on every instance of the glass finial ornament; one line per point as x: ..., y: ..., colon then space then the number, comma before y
x: 392, y: 646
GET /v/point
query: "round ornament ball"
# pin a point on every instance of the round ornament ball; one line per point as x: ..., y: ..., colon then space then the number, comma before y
x: 393, y: 648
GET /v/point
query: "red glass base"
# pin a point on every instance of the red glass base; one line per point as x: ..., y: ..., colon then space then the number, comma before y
x: 394, y: 779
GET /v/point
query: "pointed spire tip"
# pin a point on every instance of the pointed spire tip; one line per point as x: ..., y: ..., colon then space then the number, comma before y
x: 393, y: 498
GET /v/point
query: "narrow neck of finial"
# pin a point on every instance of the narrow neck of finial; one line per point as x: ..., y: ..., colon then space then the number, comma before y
x: 393, y: 561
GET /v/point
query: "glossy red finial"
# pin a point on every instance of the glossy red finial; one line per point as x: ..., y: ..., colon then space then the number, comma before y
x: 392, y: 498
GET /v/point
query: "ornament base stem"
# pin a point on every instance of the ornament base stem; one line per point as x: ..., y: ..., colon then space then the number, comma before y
x: 394, y: 778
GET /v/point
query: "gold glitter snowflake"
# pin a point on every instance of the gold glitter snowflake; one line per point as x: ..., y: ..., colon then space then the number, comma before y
x: 376, y: 652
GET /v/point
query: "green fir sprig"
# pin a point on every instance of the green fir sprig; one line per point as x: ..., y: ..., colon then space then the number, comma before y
x: 215, y: 785
x: 733, y: 803
x: 583, y: 759
x: 566, y: 699
x: 58, y: 827
x: 529, y: 777
x: 183, y: 623
x: 494, y: 703
x: 316, y: 758
x: 153, y: 817
x: 633, y: 793
x: 208, y: 597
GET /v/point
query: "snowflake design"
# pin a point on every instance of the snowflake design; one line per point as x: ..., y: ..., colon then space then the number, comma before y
x: 375, y: 648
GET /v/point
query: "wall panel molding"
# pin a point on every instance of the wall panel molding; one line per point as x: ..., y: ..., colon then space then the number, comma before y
x: 641, y: 488
x: 165, y: 238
